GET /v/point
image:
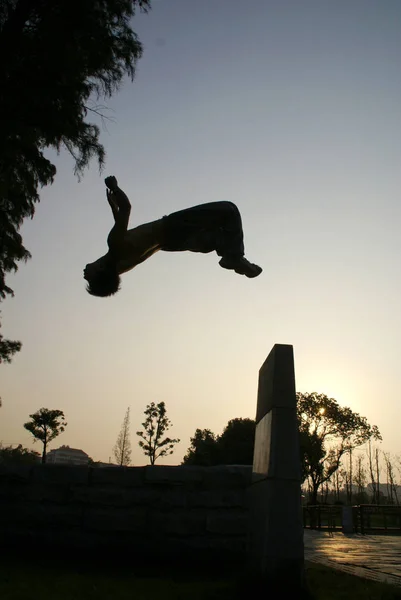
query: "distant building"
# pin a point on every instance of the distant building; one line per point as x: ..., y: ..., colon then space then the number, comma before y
x: 67, y: 456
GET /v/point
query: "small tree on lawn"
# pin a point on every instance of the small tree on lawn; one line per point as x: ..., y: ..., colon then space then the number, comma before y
x: 155, y: 426
x: 122, y: 449
x: 45, y: 425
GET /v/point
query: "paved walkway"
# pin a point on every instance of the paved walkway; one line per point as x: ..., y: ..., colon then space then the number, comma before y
x: 375, y: 557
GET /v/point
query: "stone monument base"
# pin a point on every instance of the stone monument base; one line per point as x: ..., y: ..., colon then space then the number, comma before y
x: 275, y: 542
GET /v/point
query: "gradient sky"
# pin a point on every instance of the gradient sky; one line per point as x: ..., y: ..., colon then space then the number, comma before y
x: 290, y: 109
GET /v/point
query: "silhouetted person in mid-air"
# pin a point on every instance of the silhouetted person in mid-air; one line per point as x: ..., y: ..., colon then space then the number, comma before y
x: 206, y: 228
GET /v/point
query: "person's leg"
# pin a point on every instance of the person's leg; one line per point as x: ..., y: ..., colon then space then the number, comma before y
x: 204, y: 228
x: 215, y: 226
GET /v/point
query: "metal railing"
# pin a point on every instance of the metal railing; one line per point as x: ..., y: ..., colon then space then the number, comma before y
x: 366, y: 518
x: 323, y: 517
x: 378, y: 518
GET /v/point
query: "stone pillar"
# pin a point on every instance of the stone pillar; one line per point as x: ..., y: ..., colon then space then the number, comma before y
x: 347, y: 519
x: 275, y: 542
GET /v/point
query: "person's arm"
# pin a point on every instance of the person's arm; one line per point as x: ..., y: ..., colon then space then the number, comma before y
x: 121, y: 209
x: 113, y: 204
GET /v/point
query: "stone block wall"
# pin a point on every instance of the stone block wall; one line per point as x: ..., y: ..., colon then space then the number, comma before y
x: 159, y: 512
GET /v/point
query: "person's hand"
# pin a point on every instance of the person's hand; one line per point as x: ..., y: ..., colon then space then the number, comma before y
x: 111, y: 183
x: 111, y: 199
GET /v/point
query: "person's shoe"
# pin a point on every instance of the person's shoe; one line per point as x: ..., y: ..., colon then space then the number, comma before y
x: 240, y: 265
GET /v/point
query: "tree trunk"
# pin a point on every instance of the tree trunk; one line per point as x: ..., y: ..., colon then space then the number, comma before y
x: 313, y: 497
x: 377, y: 475
x: 350, y: 476
x: 346, y: 484
x: 388, y: 486
x: 44, y: 453
x: 326, y: 492
x: 337, y: 485
x: 395, y: 493
x: 391, y: 479
x: 333, y: 489
x: 360, y: 476
x: 371, y: 472
x: 309, y: 491
x: 315, y: 491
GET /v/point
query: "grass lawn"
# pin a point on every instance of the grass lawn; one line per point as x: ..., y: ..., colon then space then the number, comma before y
x: 50, y: 583
x: 328, y: 584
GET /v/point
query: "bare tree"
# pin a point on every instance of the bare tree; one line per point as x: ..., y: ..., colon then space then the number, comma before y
x: 333, y: 490
x: 389, y: 489
x: 398, y: 463
x: 360, y: 478
x: 325, y: 492
x: 337, y: 484
x: 351, y: 478
x: 344, y: 473
x: 372, y: 472
x: 348, y: 476
x: 122, y: 449
x: 392, y: 493
x: 377, y: 451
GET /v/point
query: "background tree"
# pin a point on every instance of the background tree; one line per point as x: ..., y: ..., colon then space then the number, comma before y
x: 311, y: 448
x: 122, y: 449
x: 333, y: 487
x: 398, y: 464
x: 378, y: 470
x: 392, y: 492
x: 337, y: 485
x: 234, y: 446
x: 204, y: 449
x: 351, y: 473
x: 360, y: 480
x: 348, y: 474
x: 7, y: 347
x: 45, y: 425
x: 155, y: 426
x: 64, y: 57
x: 327, y: 431
x: 237, y: 442
x: 347, y: 483
x: 18, y: 455
x: 375, y: 491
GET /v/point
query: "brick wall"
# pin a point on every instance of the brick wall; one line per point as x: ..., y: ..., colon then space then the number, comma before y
x: 158, y: 512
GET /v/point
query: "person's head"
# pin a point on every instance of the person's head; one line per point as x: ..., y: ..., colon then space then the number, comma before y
x: 102, y: 277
